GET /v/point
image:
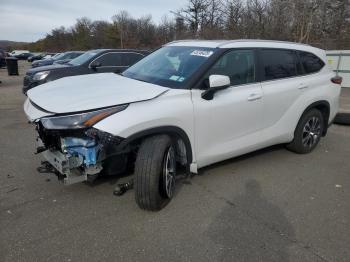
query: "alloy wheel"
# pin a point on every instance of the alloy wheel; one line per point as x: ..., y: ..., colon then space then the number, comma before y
x: 311, y: 132
x: 169, y: 172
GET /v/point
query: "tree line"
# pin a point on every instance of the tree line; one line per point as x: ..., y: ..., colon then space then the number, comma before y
x: 322, y: 23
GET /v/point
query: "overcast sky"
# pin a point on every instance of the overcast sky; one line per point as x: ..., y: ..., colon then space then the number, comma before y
x: 30, y: 20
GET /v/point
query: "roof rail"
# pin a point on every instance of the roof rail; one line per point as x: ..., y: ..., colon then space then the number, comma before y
x: 222, y: 42
x: 260, y: 40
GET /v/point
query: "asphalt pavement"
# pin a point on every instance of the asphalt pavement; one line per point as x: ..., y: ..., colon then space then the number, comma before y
x: 271, y: 205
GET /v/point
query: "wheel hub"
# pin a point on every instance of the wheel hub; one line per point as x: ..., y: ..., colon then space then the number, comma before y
x: 311, y: 132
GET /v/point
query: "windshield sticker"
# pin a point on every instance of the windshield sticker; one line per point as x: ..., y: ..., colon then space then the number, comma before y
x: 174, y: 78
x: 202, y: 53
x: 181, y: 79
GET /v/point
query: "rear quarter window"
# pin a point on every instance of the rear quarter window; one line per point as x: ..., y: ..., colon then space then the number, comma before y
x: 310, y: 62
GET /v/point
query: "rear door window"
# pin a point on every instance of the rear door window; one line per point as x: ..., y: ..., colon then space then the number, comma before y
x: 310, y: 62
x: 278, y: 64
x: 110, y: 59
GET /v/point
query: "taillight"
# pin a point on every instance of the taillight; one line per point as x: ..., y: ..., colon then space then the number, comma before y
x: 337, y: 80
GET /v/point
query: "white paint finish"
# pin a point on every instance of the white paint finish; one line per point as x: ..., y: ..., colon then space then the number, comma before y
x: 218, y: 80
x: 238, y: 120
x: 197, y: 43
x: 279, y: 96
x: 283, y: 111
x: 31, y: 112
x: 223, y: 122
x: 174, y: 108
x: 85, y: 92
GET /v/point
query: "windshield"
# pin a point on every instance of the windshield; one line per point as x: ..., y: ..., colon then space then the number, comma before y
x: 56, y: 55
x: 59, y: 56
x: 83, y: 58
x: 169, y: 66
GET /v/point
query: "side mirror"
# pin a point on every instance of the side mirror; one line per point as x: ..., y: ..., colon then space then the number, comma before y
x: 216, y: 83
x: 95, y: 65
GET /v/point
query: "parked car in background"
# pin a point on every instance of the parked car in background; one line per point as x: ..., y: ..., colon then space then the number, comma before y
x: 40, y: 56
x: 23, y: 56
x: 68, y: 57
x: 189, y: 104
x: 51, y: 55
x: 18, y: 52
x: 64, y: 57
x: 91, y: 62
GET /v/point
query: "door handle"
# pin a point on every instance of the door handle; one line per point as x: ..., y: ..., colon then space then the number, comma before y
x: 302, y: 86
x: 254, y: 97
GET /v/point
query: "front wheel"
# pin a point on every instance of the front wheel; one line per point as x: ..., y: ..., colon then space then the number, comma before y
x: 308, y: 132
x: 155, y: 173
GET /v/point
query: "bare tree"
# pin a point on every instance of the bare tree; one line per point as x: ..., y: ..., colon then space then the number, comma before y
x: 121, y: 20
x: 324, y: 23
x: 232, y: 13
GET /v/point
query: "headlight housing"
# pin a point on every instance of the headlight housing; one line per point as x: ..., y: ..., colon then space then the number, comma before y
x: 79, y: 121
x: 41, y: 75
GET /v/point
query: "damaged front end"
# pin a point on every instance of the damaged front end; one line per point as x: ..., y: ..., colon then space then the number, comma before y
x: 74, y: 148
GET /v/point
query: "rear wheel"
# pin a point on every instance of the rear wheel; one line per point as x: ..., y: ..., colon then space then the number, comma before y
x: 155, y: 173
x: 308, y: 132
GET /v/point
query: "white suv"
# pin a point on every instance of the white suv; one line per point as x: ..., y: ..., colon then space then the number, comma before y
x: 190, y: 104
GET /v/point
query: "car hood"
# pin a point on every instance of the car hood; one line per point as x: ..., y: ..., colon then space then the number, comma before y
x: 34, y: 70
x: 63, y: 61
x: 87, y: 92
x: 43, y: 61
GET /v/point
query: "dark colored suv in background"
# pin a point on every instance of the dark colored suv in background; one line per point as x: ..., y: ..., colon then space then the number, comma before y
x: 91, y: 62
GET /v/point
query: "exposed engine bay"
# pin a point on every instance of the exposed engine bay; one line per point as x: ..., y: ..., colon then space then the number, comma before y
x: 77, y: 154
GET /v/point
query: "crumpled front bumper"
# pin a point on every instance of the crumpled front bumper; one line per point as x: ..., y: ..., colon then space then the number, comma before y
x: 77, y: 159
x: 77, y: 154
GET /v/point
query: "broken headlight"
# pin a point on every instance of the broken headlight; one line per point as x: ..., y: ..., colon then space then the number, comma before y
x: 82, y: 120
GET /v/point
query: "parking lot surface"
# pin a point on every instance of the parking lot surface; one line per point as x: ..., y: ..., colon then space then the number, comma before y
x: 271, y: 205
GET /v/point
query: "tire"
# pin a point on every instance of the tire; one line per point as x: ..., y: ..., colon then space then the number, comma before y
x: 308, y: 132
x: 155, y: 157
x: 342, y: 119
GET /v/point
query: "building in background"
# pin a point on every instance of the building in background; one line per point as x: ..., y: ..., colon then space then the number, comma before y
x: 339, y: 60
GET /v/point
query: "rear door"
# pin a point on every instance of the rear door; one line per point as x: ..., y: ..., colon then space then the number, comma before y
x: 281, y: 84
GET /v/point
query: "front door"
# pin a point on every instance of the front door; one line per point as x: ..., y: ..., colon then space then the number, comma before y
x: 229, y: 124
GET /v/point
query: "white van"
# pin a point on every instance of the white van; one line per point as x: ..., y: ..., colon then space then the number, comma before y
x: 18, y: 52
x: 191, y: 104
